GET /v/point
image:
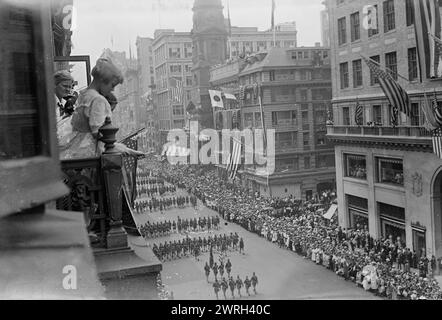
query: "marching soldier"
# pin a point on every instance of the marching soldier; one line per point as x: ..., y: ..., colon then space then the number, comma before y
x: 215, y: 270
x: 247, y: 284
x: 228, y: 267
x: 241, y: 245
x: 207, y: 271
x: 232, y: 286
x: 254, y: 280
x: 224, y: 286
x: 216, y: 287
x: 239, y: 285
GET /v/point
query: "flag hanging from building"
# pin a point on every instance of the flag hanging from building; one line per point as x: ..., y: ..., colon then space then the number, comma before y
x: 395, y: 93
x: 215, y: 97
x: 437, y: 142
x: 234, y: 159
x: 436, y: 109
x: 229, y: 96
x: 359, y: 113
x: 429, y: 115
x: 176, y: 92
x: 427, y: 26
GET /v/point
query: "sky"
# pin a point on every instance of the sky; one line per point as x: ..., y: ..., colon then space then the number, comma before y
x: 97, y: 22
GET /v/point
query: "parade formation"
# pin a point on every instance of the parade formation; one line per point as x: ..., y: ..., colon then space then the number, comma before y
x: 382, y: 266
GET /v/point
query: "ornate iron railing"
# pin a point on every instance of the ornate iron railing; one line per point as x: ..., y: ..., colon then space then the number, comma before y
x: 400, y: 131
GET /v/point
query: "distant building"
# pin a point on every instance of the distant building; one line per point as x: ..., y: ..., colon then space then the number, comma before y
x: 325, y: 29
x: 247, y: 40
x: 172, y: 58
x: 296, y: 86
x: 126, y: 114
x: 388, y: 178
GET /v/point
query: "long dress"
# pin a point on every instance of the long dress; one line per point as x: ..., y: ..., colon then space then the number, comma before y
x: 90, y: 114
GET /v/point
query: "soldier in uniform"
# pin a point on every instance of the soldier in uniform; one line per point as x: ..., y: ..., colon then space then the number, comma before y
x: 232, y: 286
x: 228, y: 267
x: 239, y: 285
x: 215, y: 270
x: 221, y: 269
x: 254, y: 280
x: 207, y: 271
x: 247, y: 284
x: 216, y: 287
x: 241, y: 245
x: 224, y: 286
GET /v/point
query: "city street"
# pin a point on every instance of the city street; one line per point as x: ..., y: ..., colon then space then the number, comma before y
x: 282, y: 274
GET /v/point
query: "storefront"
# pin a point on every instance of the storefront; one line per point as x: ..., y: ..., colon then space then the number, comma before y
x: 392, y: 221
x: 419, y: 241
x: 357, y: 211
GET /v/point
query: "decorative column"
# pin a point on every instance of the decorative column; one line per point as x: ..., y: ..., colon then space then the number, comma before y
x: 111, y: 164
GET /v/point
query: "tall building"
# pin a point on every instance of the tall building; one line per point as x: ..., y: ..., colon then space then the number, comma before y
x: 127, y: 113
x: 325, y: 28
x: 148, y: 115
x: 172, y: 53
x: 296, y: 90
x: 388, y: 178
x: 247, y: 40
x: 209, y: 38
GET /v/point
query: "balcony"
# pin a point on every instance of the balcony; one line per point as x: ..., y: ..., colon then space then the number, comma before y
x: 415, y: 138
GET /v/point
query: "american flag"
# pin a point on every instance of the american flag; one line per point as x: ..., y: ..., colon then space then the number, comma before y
x: 436, y: 109
x: 427, y: 18
x: 242, y: 92
x: 359, y: 114
x: 176, y: 91
x: 395, y: 93
x: 130, y: 169
x: 437, y: 142
x: 394, y: 116
x: 234, y: 159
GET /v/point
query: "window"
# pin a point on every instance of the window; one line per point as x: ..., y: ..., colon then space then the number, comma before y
x: 286, y: 139
x: 283, y: 165
x: 188, y: 50
x: 272, y: 75
x: 377, y: 114
x: 321, y: 161
x: 357, y: 73
x: 374, y: 78
x: 320, y: 117
x: 409, y: 12
x: 391, y: 64
x: 175, y: 52
x: 283, y: 117
x: 320, y: 138
x: 389, y: 21
x: 248, y: 119
x: 342, y: 31
x: 306, y: 138
x: 390, y: 171
x: 373, y: 21
x: 306, y: 162
x: 415, y: 119
x: 304, y: 117
x: 355, y: 166
x: 189, y: 81
x: 343, y: 71
x: 178, y: 110
x: 304, y: 95
x: 258, y: 123
x: 175, y: 68
x: 412, y: 64
x: 346, y: 116
x: 355, y: 27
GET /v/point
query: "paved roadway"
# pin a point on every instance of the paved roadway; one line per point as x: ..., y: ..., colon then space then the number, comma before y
x: 282, y: 274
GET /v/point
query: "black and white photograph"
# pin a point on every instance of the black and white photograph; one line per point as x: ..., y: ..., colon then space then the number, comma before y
x: 220, y: 154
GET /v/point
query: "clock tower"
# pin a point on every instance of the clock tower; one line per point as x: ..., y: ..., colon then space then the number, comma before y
x: 209, y: 36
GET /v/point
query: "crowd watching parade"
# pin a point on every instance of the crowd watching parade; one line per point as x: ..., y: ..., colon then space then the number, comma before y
x: 383, y: 266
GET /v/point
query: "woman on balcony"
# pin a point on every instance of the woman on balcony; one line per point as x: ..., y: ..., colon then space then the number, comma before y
x: 90, y: 114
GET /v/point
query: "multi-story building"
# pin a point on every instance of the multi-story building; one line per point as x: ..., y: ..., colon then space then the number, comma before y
x: 296, y: 91
x: 172, y: 57
x: 147, y: 117
x: 388, y: 177
x: 126, y: 114
x: 249, y: 40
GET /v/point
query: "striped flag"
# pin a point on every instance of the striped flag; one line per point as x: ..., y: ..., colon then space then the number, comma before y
x: 436, y: 110
x: 234, y: 159
x: 359, y: 113
x: 430, y: 116
x: 397, y: 96
x: 176, y: 92
x: 437, y: 142
x: 427, y: 22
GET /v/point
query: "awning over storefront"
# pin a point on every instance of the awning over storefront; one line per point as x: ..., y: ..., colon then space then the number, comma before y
x: 331, y: 211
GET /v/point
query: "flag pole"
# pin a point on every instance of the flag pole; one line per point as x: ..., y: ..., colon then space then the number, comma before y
x: 387, y: 69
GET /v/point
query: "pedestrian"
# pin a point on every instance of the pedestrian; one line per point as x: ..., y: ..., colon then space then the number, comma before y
x: 254, y: 280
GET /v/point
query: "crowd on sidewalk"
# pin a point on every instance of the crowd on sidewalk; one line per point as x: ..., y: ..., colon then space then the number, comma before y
x: 382, y: 266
